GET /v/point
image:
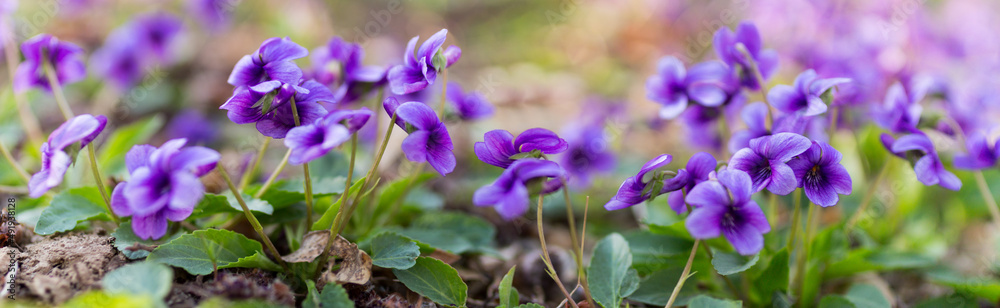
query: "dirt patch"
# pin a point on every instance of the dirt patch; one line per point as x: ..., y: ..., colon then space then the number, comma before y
x: 236, y: 284
x: 55, y: 270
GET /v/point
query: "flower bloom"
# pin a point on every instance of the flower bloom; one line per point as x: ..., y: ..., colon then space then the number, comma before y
x: 268, y: 105
x: 130, y: 50
x: 83, y: 128
x: 927, y: 165
x: 164, y: 185
x: 510, y: 192
x: 723, y: 207
x: 428, y: 139
x: 157, y: 32
x: 193, y: 126
x: 821, y: 175
x: 900, y: 112
x: 212, y: 14
x: 674, y: 88
x: 272, y: 61
x: 980, y: 155
x: 697, y: 170
x: 635, y: 189
x: 589, y: 152
x: 309, y: 142
x: 804, y: 96
x: 766, y: 161
x: 341, y: 62
x: 43, y: 48
x: 469, y: 105
x: 420, y: 70
x: 499, y: 145
x: 766, y: 61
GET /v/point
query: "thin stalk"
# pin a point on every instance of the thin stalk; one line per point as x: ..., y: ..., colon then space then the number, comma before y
x: 991, y: 202
x: 729, y: 282
x: 343, y: 197
x: 369, y: 175
x: 274, y: 175
x: 869, y: 195
x: 803, y: 256
x: 250, y: 217
x: 548, y: 259
x: 444, y: 91
x: 28, y: 120
x: 755, y: 70
x: 684, y: 275
x: 250, y: 171
x: 13, y: 163
x: 772, y: 208
x: 305, y: 170
x: 834, y: 114
x: 399, y: 201
x: 577, y: 248
x: 796, y: 213
x: 57, y: 89
x: 100, y: 182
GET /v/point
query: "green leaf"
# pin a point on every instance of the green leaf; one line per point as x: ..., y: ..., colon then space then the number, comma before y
x: 112, y: 155
x: 981, y: 287
x: 333, y: 296
x: 198, y: 251
x: 835, y: 301
x: 704, y: 301
x: 863, y: 260
x: 142, y: 278
x: 321, y: 186
x: 508, y: 294
x: 257, y: 260
x: 326, y: 221
x: 391, y: 250
x: 312, y: 296
x: 97, y: 298
x: 394, y: 190
x: 727, y: 263
x: 655, y: 289
x: 609, y: 267
x: 774, y: 278
x: 125, y: 238
x: 955, y: 300
x: 866, y: 296
x: 453, y: 232
x: 652, y: 252
x: 435, y: 280
x: 69, y: 208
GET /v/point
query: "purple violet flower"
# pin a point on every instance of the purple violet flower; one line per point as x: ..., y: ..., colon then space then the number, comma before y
x: 272, y: 61
x: 118, y: 61
x: 420, y: 70
x: 428, y: 139
x: 212, y: 14
x: 754, y: 116
x: 766, y: 161
x: 499, y: 145
x: 64, y: 57
x: 726, y: 42
x: 673, y: 87
x: 510, y: 192
x: 724, y: 207
x: 266, y: 104
x: 469, y: 105
x: 805, y: 95
x: 83, y: 128
x: 193, y: 126
x: 309, y: 142
x: 900, y: 112
x: 697, y: 170
x: 164, y: 185
x: 919, y: 150
x: 636, y: 189
x: 589, y: 153
x: 341, y: 62
x: 821, y: 175
x: 980, y: 155
x: 157, y: 33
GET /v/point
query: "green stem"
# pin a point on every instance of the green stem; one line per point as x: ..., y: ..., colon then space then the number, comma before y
x: 803, y: 256
x: 274, y: 175
x: 370, y: 174
x: 402, y: 196
x: 444, y: 91
x: 343, y: 197
x: 250, y: 217
x: 100, y: 182
x: 13, y: 163
x: 991, y: 202
x: 57, y: 89
x: 249, y: 173
x: 684, y: 275
x: 305, y: 170
x: 772, y: 209
x: 548, y: 259
x: 577, y: 244
x: 796, y: 213
x: 869, y: 195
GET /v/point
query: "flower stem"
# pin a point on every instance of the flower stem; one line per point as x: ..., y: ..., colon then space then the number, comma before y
x: 548, y: 259
x: 444, y: 91
x: 343, y: 197
x: 796, y: 213
x: 991, y: 202
x: 803, y: 256
x: 249, y: 173
x: 305, y: 170
x: 28, y: 119
x: 755, y: 70
x: 684, y: 275
x: 57, y: 89
x: 100, y: 182
x: 772, y: 208
x: 13, y: 163
x: 274, y: 175
x: 577, y: 244
x: 868, y: 196
x: 399, y: 201
x: 368, y: 177
x: 250, y: 217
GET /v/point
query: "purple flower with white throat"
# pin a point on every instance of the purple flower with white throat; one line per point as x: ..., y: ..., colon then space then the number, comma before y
x: 674, y: 87
x: 980, y: 154
x: 468, y: 105
x: 510, y: 192
x: 499, y: 145
x: 81, y: 129
x: 272, y: 61
x: 164, y: 185
x: 309, y: 142
x: 697, y: 170
x: 428, y: 139
x: 420, y: 70
x: 340, y: 62
x: 821, y: 175
x: 766, y: 161
x: 43, y: 48
x: 726, y: 47
x: 637, y: 189
x: 919, y: 150
x: 724, y: 207
x: 805, y: 95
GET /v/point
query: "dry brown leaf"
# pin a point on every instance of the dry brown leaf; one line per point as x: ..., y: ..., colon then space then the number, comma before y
x: 355, y: 264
